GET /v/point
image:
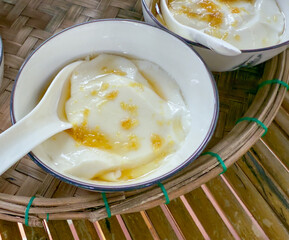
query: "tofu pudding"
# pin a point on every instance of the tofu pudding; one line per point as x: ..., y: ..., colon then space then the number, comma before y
x: 246, y: 24
x: 128, y: 116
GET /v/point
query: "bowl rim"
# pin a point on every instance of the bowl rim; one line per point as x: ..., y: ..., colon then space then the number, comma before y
x: 156, y: 180
x: 1, y: 51
x: 202, y: 46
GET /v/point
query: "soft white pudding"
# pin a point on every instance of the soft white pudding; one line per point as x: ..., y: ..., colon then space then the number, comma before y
x: 128, y: 116
x: 246, y: 24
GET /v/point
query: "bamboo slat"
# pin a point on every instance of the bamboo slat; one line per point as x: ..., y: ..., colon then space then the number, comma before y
x: 184, y: 220
x: 161, y: 223
x: 35, y: 232
x: 257, y: 206
x: 111, y: 229
x: 24, y: 25
x: 136, y: 225
x: 276, y: 139
x: 272, y: 164
x: 236, y: 214
x: 266, y: 186
x: 60, y: 230
x: 208, y: 215
x: 9, y: 231
x: 85, y: 230
x: 282, y: 119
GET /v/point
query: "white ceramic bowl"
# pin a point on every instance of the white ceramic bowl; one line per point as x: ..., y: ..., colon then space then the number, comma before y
x: 141, y: 41
x: 1, y: 61
x: 220, y: 63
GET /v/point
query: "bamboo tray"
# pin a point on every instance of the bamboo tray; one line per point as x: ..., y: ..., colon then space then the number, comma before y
x: 25, y: 24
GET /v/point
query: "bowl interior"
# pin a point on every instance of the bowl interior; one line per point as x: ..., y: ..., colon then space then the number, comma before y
x: 138, y: 40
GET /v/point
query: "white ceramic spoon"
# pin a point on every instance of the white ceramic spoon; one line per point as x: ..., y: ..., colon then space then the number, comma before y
x: 45, y: 120
x: 218, y: 45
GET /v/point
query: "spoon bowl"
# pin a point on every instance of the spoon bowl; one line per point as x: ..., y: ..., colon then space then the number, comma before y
x: 218, y: 45
x: 45, y: 120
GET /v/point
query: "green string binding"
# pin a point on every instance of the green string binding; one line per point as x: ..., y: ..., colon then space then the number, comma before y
x: 47, y: 217
x: 27, y: 210
x: 256, y: 121
x: 106, y: 204
x: 272, y: 82
x: 218, y: 158
x: 165, y: 192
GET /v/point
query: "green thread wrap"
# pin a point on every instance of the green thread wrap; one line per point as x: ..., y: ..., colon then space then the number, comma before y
x: 106, y: 204
x: 164, y: 192
x: 47, y: 217
x: 218, y: 158
x: 272, y: 82
x: 256, y: 121
x: 27, y: 210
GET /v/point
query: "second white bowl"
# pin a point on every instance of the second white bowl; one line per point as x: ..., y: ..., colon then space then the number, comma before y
x: 221, y: 63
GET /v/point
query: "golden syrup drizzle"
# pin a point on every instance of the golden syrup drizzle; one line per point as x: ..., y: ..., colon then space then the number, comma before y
x: 104, y: 86
x: 86, y: 136
x: 128, y: 124
x: 90, y: 138
x: 108, y: 97
x: 149, y: 166
x: 236, y: 1
x: 134, y: 173
x: 212, y: 13
x: 132, y: 143
x: 112, y: 95
x: 128, y: 174
x: 137, y: 85
x: 93, y: 93
x: 130, y: 108
x: 85, y: 116
x: 235, y: 10
x: 113, y: 71
x: 157, y: 141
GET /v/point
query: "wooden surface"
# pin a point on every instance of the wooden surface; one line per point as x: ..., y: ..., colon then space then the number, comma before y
x: 249, y: 201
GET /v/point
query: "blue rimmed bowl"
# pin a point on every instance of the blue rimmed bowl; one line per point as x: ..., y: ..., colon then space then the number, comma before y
x: 136, y: 39
x: 221, y: 63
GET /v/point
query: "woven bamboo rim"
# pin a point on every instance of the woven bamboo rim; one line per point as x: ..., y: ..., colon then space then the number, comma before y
x: 237, y: 142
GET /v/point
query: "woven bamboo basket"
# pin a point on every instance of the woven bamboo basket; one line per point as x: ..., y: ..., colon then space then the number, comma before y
x: 26, y: 24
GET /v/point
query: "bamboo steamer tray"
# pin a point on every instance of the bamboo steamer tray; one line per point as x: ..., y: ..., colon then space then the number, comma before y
x: 26, y: 24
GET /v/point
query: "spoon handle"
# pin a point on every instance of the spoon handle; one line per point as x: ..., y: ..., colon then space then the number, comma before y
x: 26, y: 134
